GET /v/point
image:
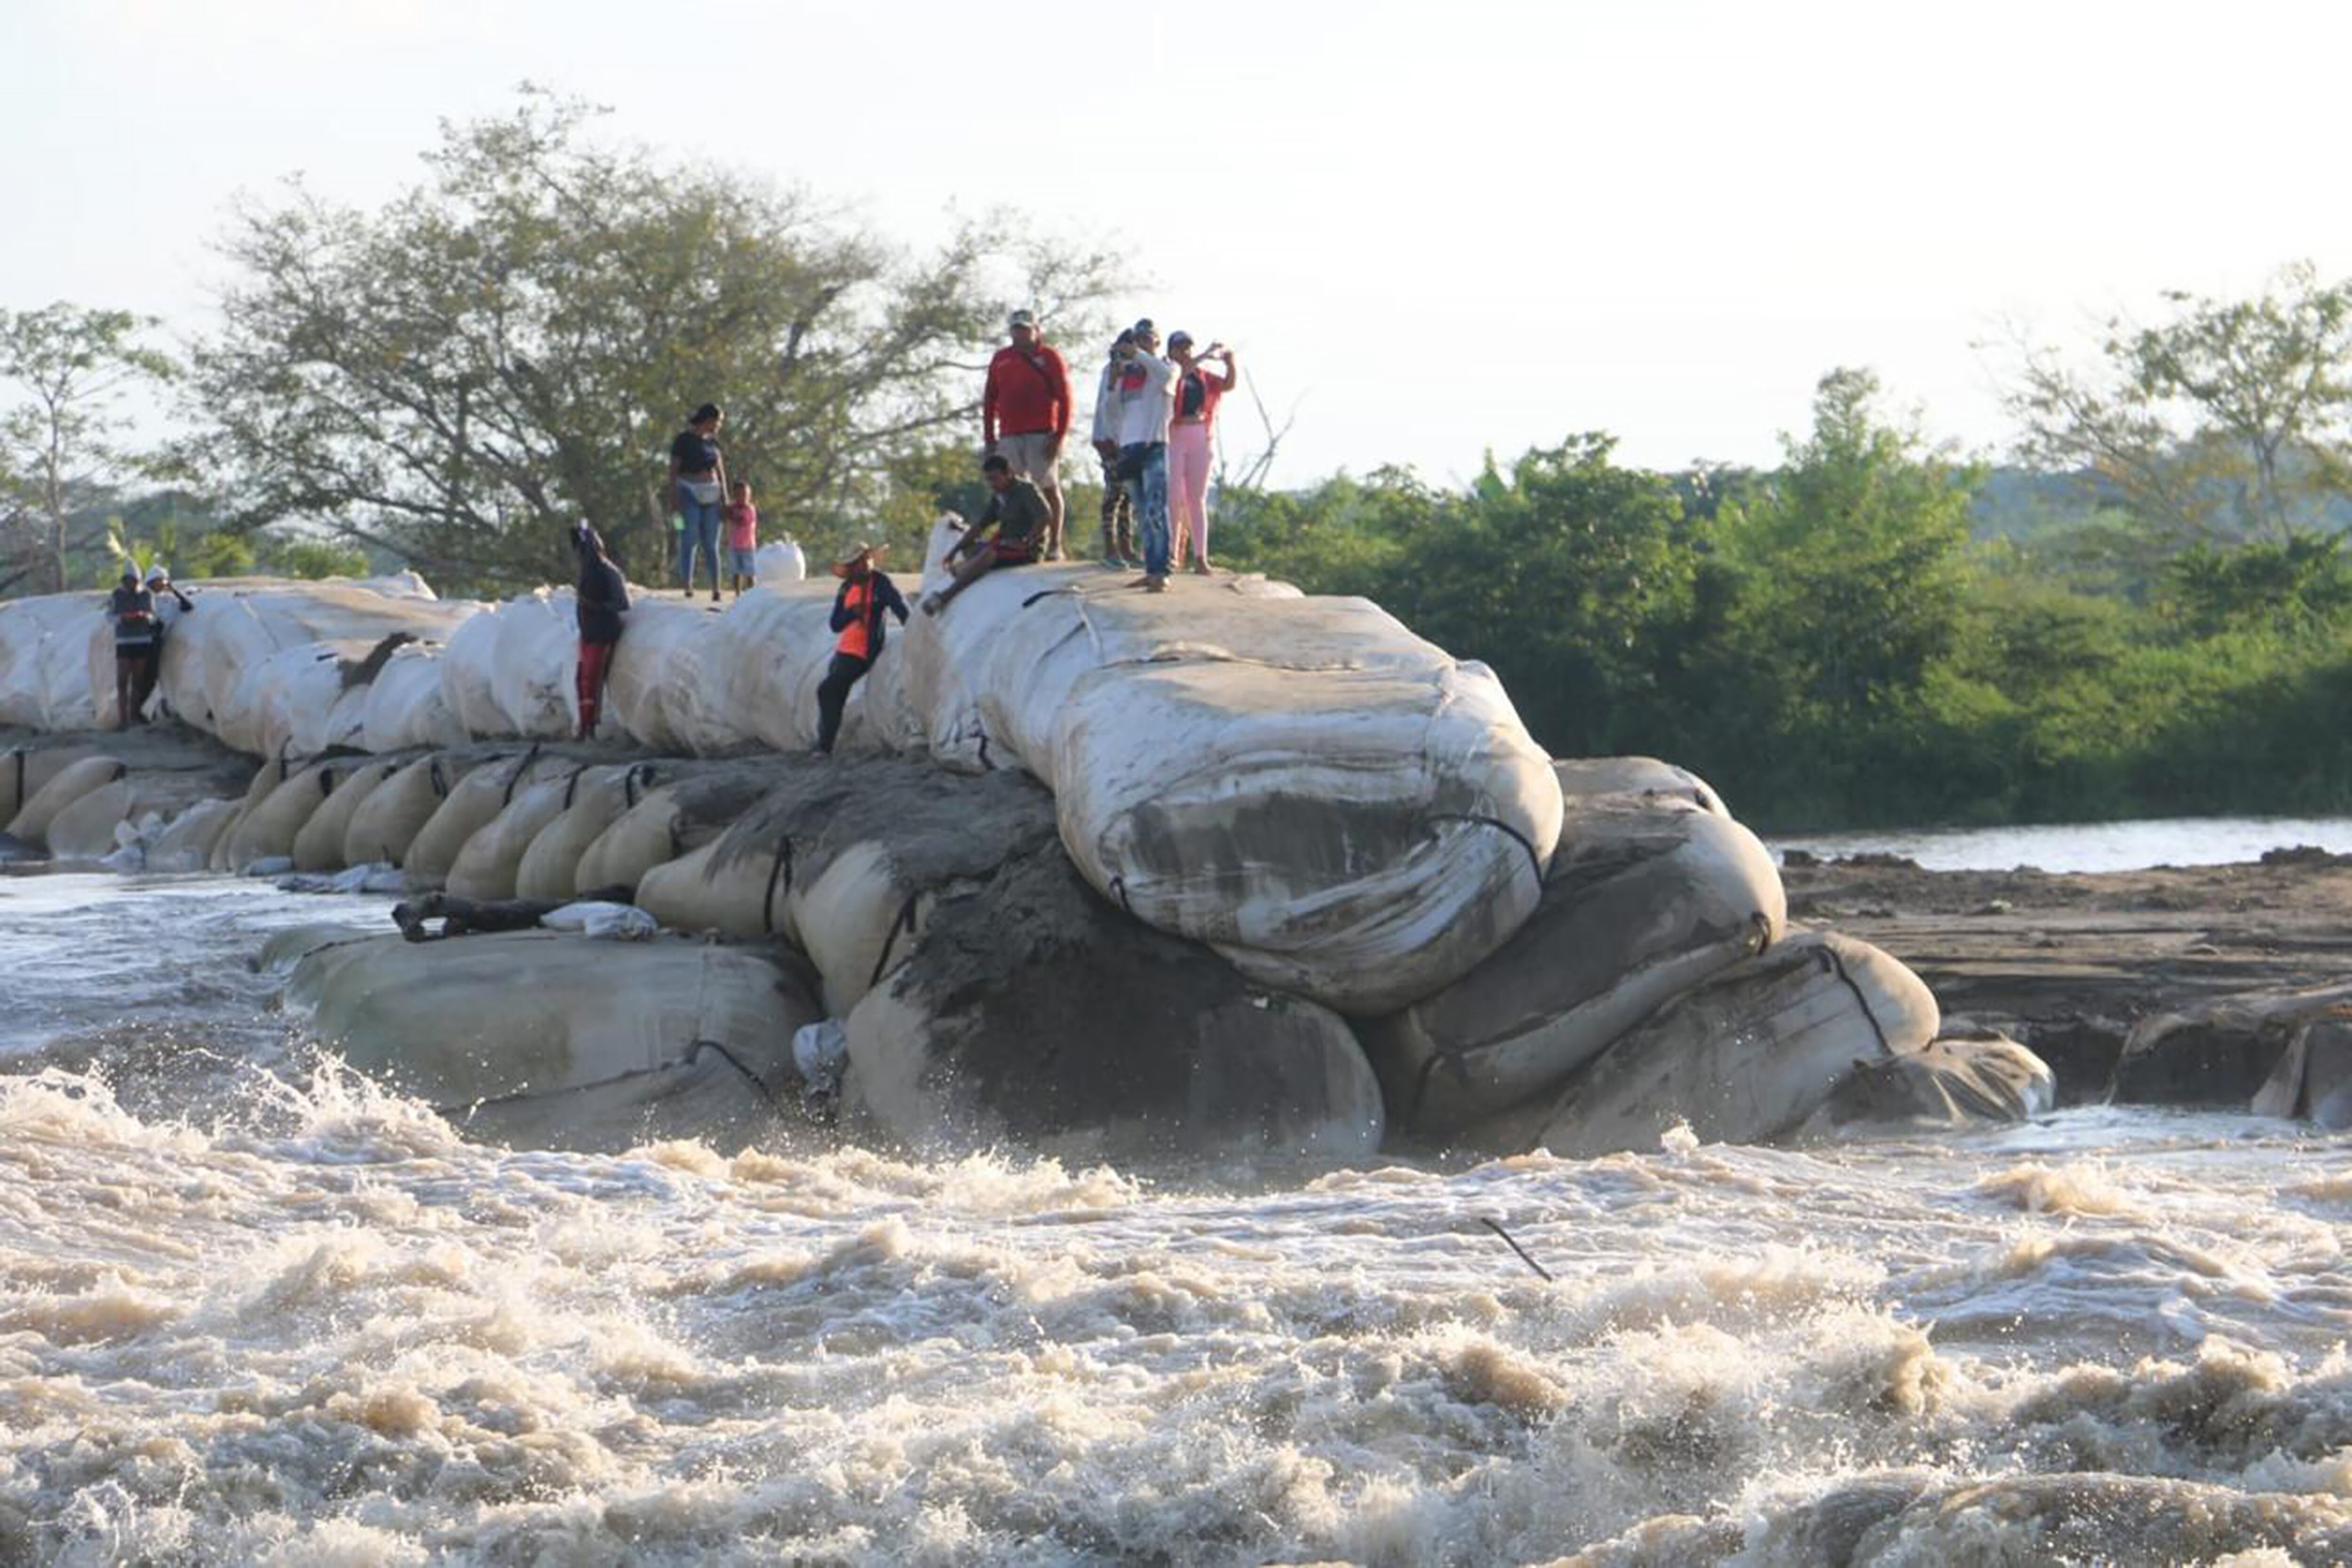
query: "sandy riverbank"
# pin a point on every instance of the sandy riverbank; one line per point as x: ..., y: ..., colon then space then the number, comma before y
x: 2069, y: 963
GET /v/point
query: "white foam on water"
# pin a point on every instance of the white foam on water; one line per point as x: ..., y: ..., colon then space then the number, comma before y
x: 290, y: 1316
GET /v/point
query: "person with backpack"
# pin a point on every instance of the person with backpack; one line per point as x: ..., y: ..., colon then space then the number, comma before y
x: 858, y: 606
x: 1024, y: 416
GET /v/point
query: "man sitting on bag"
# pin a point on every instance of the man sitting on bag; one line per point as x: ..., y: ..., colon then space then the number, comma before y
x: 1008, y: 533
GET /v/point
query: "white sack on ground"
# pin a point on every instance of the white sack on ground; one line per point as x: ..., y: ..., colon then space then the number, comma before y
x: 1645, y: 897
x: 549, y: 1039
x: 1751, y: 1052
x: 597, y: 799
x: 535, y: 678
x: 39, y: 635
x: 778, y: 561
x: 1339, y: 808
x: 1030, y: 1011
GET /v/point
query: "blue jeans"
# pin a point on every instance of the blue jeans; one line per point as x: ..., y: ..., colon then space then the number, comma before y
x: 1149, y: 492
x: 701, y: 531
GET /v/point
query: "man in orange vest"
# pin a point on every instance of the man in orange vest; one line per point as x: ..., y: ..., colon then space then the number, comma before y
x: 857, y: 609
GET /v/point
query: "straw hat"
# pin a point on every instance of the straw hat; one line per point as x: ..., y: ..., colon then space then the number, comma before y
x: 859, y: 552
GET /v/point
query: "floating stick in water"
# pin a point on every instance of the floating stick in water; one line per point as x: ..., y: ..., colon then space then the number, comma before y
x: 1496, y: 1226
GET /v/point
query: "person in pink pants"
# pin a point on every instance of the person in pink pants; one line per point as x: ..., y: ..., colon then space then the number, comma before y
x: 1190, y: 430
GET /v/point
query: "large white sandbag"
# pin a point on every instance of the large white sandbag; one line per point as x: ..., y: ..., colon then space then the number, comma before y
x: 545, y: 1038
x: 267, y: 831
x: 292, y: 699
x: 691, y: 893
x: 388, y: 820
x: 1076, y: 1031
x: 595, y: 800
x: 533, y: 678
x: 778, y: 561
x: 1751, y: 1052
x: 168, y: 779
x: 406, y: 706
x: 187, y: 841
x: 1977, y: 1078
x: 69, y: 783
x: 858, y: 921
x: 1645, y: 896
x: 1341, y: 808
x: 1647, y: 776
x: 667, y: 685
x: 33, y: 633
x: 84, y: 829
x: 469, y: 667
x: 485, y: 867
x: 319, y: 846
x: 472, y: 802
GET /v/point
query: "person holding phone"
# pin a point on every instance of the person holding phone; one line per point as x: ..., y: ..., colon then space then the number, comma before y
x: 697, y: 483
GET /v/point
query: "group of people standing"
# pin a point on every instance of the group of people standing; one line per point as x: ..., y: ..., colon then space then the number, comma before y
x: 1153, y: 432
x: 142, y: 612
x: 1154, y: 423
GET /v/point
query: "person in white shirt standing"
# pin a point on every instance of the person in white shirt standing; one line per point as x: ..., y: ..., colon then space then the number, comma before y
x: 1147, y: 387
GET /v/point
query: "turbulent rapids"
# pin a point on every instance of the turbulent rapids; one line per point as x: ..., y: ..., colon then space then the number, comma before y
x: 1187, y: 958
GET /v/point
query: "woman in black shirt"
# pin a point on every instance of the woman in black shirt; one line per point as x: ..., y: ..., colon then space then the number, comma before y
x: 697, y: 482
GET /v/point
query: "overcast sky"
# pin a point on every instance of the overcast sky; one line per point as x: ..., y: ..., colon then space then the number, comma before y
x: 1437, y: 228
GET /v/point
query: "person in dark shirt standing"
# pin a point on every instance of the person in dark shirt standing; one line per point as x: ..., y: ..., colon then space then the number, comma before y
x: 170, y: 603
x: 604, y: 599
x: 1007, y: 535
x: 133, y: 611
x: 697, y: 482
x: 858, y: 606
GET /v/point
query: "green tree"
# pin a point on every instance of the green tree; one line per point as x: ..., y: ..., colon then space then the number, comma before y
x: 510, y: 344
x: 2230, y: 418
x: 62, y: 436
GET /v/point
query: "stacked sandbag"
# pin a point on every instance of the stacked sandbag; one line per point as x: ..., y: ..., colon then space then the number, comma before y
x: 510, y: 672
x: 697, y: 804
x: 1030, y: 1011
x: 162, y: 783
x: 24, y: 770
x: 1341, y: 808
x: 1962, y: 1079
x: 64, y: 786
x: 668, y: 687
x: 214, y: 674
x: 540, y: 1038
x: 593, y: 800
x: 1646, y: 896
x: 845, y: 859
x: 44, y: 675
x: 471, y: 804
x: 187, y: 842
x: 267, y: 830
x: 1750, y: 1053
x: 319, y: 846
x: 487, y: 865
x: 407, y: 707
x: 388, y: 819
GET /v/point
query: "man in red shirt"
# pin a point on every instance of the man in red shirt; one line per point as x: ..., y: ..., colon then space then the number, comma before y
x: 1025, y: 413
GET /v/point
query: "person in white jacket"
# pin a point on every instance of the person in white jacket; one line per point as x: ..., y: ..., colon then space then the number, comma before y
x: 1118, y: 507
x: 1147, y: 387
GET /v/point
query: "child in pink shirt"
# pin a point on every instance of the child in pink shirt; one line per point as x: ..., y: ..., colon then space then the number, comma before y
x: 742, y: 520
